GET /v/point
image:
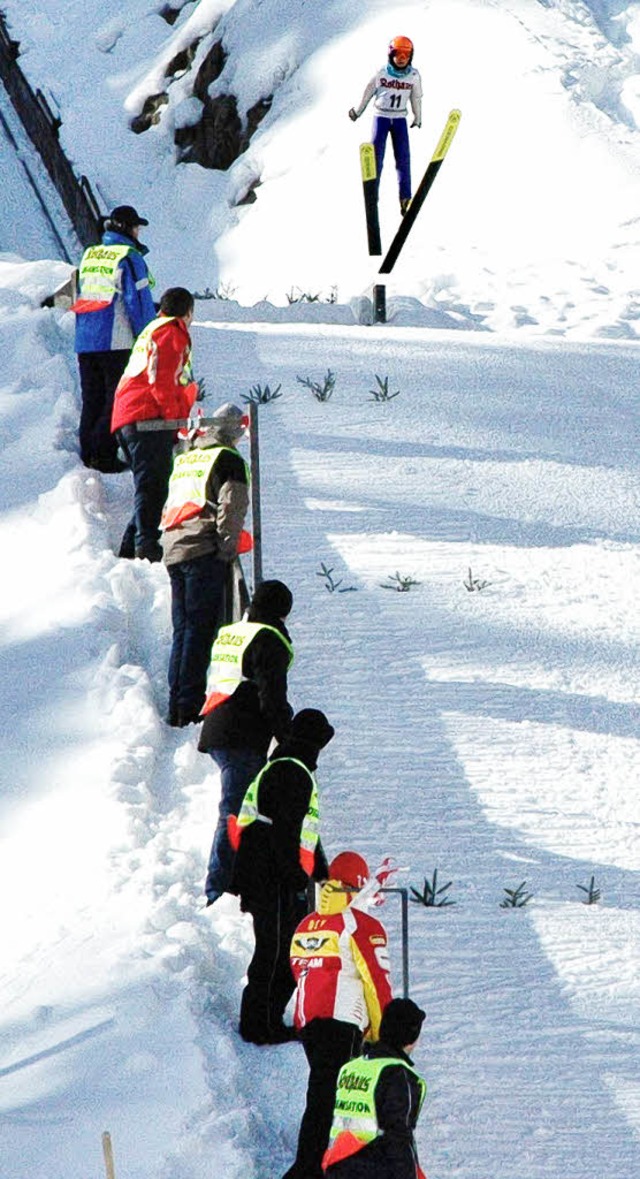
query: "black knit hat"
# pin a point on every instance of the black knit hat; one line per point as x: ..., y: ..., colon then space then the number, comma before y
x: 312, y: 726
x: 273, y: 599
x: 401, y: 1023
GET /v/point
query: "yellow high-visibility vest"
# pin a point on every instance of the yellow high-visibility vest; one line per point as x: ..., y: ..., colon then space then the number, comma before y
x: 355, y: 1121
x: 97, y: 276
x: 187, y: 495
x: 250, y: 813
x: 225, y: 668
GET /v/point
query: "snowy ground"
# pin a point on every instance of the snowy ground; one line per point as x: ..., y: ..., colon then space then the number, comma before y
x: 491, y: 733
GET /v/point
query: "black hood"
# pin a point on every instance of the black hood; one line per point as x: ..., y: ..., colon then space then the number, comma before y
x: 271, y: 600
x: 309, y: 733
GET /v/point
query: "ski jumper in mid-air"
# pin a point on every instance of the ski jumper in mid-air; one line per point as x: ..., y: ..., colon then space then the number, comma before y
x: 393, y: 87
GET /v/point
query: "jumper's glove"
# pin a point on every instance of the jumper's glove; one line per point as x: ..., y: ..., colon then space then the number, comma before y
x: 202, y: 389
x: 352, y: 114
x: 416, y: 123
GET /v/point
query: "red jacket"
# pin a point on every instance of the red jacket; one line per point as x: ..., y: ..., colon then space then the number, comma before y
x: 155, y: 390
x: 341, y: 966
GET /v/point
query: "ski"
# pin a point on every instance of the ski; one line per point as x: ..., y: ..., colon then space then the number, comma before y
x: 433, y: 167
x: 369, y: 174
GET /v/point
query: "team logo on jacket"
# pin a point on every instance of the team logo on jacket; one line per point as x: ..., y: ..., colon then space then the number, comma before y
x: 311, y: 945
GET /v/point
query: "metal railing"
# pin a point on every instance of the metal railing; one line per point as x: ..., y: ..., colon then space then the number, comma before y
x: 42, y: 126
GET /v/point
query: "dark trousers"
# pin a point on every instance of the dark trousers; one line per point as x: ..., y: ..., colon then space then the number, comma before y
x: 270, y: 983
x: 328, y: 1044
x: 238, y: 767
x: 99, y: 375
x: 197, y: 597
x: 150, y: 455
x: 398, y: 130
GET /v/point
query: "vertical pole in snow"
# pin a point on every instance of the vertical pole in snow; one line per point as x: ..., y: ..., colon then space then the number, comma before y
x: 404, y: 897
x: 107, y: 1150
x: 255, y: 494
x: 379, y: 303
x: 404, y: 901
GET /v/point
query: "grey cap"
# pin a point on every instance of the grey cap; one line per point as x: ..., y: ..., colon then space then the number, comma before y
x: 227, y: 424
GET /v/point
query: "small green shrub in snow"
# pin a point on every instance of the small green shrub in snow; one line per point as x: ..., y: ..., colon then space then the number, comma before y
x: 400, y: 582
x: 321, y: 392
x: 593, y: 893
x: 431, y: 896
x: 224, y: 291
x: 516, y: 898
x: 330, y: 583
x: 260, y: 396
x: 295, y: 295
x: 474, y: 583
x: 382, y: 392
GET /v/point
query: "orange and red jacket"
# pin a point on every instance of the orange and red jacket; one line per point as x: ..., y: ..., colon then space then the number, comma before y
x: 157, y: 392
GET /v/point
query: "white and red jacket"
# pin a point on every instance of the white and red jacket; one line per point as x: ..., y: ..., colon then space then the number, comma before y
x: 157, y: 380
x: 341, y: 966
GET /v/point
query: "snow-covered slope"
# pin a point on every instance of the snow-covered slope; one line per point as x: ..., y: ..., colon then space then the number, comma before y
x: 491, y: 733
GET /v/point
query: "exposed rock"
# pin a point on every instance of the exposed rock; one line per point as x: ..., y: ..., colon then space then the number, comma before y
x: 182, y: 60
x: 214, y: 142
x: 255, y: 116
x: 169, y: 13
x: 149, y: 114
x: 210, y: 69
x: 250, y: 197
x: 219, y: 137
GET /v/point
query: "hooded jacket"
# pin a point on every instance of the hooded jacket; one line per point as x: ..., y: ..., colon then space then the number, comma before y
x: 116, y: 325
x: 258, y: 710
x: 393, y: 1155
x: 269, y: 852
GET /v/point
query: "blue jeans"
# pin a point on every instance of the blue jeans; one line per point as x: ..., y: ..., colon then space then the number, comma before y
x: 398, y: 130
x: 238, y: 767
x: 150, y: 455
x: 197, y: 597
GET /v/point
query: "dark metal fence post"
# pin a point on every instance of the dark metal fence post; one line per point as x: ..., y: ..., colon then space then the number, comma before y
x: 255, y: 494
x: 404, y: 901
x: 379, y: 303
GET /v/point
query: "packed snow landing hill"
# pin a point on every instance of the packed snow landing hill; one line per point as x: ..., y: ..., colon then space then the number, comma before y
x: 487, y: 728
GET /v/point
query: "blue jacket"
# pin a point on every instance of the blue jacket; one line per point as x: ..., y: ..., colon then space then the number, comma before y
x: 117, y: 325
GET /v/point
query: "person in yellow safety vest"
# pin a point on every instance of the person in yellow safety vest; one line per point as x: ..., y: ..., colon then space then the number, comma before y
x: 378, y: 1099
x: 246, y: 707
x: 340, y: 961
x: 156, y: 385
x: 114, y: 304
x: 278, y: 850
x: 202, y: 532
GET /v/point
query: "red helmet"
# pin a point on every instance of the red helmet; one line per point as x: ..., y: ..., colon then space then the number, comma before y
x: 350, y: 869
x: 402, y: 47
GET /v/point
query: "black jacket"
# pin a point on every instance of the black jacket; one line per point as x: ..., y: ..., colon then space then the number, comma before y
x: 393, y: 1155
x: 258, y: 710
x: 270, y: 854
